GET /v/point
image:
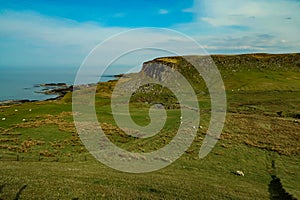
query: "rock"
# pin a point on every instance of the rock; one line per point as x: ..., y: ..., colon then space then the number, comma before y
x: 53, y: 84
x: 59, y: 89
x: 159, y: 106
x: 12, y: 102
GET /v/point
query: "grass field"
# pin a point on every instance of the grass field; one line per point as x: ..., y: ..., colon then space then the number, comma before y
x: 42, y: 157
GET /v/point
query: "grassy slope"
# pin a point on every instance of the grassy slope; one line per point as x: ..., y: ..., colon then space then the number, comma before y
x: 53, y: 164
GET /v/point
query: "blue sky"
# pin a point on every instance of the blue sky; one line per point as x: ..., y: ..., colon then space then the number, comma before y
x: 112, y: 13
x: 63, y: 32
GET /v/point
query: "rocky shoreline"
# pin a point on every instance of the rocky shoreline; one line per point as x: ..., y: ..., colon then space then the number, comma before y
x: 58, y: 89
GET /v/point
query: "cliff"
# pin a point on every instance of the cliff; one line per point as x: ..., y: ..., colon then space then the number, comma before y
x: 157, y: 68
x: 247, y: 72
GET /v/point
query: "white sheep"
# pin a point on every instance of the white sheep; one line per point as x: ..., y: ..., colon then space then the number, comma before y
x: 3, y: 119
x: 239, y: 173
x: 16, y: 110
x: 24, y: 120
x: 30, y: 110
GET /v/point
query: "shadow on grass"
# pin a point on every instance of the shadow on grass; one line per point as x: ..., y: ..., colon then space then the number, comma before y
x: 276, y: 190
x: 18, y: 193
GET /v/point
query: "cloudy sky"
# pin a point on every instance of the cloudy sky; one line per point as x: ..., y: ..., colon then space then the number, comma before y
x: 63, y: 32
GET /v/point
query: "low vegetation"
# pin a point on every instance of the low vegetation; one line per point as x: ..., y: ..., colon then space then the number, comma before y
x: 42, y: 156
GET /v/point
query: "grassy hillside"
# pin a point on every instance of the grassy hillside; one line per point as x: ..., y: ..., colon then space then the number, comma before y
x: 42, y: 157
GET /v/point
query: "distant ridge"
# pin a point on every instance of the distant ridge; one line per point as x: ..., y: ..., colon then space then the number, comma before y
x: 255, y: 59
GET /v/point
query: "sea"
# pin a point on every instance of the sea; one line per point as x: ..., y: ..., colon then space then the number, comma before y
x: 19, y: 83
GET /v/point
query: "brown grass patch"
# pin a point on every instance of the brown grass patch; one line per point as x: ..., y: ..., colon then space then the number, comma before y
x: 58, y: 120
x: 271, y: 133
x: 27, y: 145
x: 14, y: 140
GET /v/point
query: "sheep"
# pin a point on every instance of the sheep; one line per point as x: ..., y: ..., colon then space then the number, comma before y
x: 16, y: 110
x: 30, y: 110
x: 3, y: 119
x: 239, y: 173
x: 24, y: 120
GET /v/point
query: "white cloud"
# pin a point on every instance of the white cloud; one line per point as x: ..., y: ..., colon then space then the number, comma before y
x: 188, y: 10
x: 57, y: 31
x: 256, y: 14
x: 246, y: 19
x: 119, y: 15
x: 163, y: 11
x: 28, y: 38
x: 32, y: 39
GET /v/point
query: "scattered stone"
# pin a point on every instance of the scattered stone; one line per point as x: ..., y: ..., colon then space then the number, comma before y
x: 159, y: 106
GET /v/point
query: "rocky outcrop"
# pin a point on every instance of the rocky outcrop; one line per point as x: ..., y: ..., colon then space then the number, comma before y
x: 157, y: 67
x: 59, y: 89
x: 11, y: 102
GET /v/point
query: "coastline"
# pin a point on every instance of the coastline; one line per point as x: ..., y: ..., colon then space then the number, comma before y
x: 59, y: 90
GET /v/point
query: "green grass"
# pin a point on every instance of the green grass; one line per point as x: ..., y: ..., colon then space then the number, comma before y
x: 45, y: 154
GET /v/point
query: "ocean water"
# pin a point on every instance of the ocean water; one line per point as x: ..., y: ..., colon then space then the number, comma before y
x: 17, y: 83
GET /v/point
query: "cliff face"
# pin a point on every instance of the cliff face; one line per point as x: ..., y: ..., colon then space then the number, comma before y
x: 157, y: 67
x: 255, y: 72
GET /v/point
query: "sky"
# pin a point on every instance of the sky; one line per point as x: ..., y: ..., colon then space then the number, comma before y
x: 62, y: 32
